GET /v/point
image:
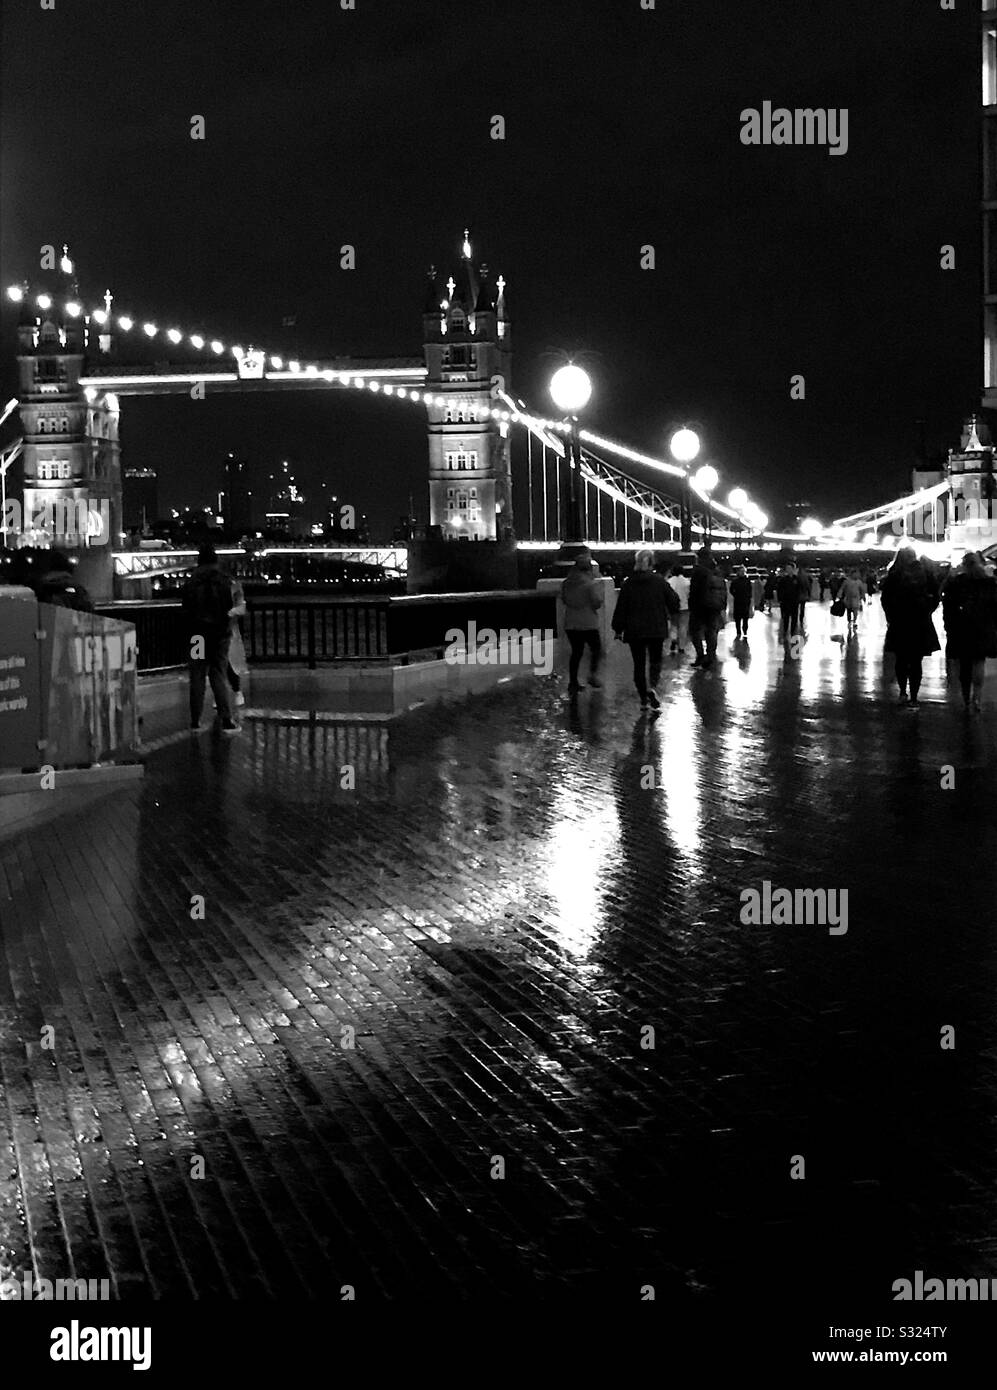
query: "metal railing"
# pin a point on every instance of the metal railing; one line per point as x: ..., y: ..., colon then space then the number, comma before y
x: 323, y: 630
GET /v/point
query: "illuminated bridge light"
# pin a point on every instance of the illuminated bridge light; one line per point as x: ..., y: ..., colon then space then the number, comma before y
x: 150, y: 329
x: 311, y: 369
x: 125, y: 323
x: 294, y: 366
x: 99, y: 316
x: 174, y: 335
x: 44, y: 301
x: 216, y: 346
x: 196, y: 341
x: 277, y: 363
x: 15, y: 293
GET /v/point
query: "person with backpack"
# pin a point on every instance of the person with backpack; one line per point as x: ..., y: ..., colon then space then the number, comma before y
x: 969, y: 610
x: 707, y: 606
x: 643, y: 608
x: 909, y: 597
x: 208, y: 600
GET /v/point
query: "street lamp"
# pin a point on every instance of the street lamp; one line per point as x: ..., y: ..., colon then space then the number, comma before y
x: 571, y: 389
x: 810, y: 527
x: 737, y: 499
x: 706, y: 480
x: 684, y: 447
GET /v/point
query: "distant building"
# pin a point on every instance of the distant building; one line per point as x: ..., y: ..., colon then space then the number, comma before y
x: 466, y: 342
x: 238, y: 509
x: 794, y: 513
x: 139, y: 498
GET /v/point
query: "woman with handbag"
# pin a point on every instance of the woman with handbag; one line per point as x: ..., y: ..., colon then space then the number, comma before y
x: 850, y: 598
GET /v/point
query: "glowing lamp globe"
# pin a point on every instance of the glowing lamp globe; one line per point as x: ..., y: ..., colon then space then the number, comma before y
x: 810, y: 527
x: 684, y: 445
x: 707, y: 478
x: 737, y: 499
x: 570, y: 389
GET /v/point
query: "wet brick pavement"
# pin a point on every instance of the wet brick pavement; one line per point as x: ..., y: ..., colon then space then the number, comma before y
x: 498, y: 909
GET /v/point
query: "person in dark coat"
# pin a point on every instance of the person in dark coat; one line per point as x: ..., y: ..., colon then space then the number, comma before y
x: 787, y: 592
x: 910, y: 596
x: 643, y: 608
x: 207, y: 599
x: 741, y: 600
x: 770, y: 591
x: 802, y: 597
x: 707, y: 605
x: 969, y: 610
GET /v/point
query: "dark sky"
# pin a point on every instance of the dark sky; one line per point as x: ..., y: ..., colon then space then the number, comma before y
x: 372, y: 127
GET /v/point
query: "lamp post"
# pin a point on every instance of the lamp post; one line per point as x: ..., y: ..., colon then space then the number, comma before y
x: 706, y: 480
x: 684, y: 447
x: 570, y: 389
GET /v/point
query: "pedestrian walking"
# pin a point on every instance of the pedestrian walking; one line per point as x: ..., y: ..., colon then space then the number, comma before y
x: 679, y: 582
x: 740, y: 593
x: 707, y: 606
x: 207, y: 601
x: 643, y: 608
x: 787, y: 592
x: 758, y: 593
x: 910, y: 596
x: 969, y: 611
x: 803, y: 595
x: 771, y: 582
x: 582, y: 596
x: 852, y: 595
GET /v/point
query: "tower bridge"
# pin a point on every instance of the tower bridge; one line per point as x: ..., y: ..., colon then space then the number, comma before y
x: 77, y: 362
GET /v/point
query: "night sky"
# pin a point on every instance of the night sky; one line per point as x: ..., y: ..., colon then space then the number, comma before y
x: 372, y: 127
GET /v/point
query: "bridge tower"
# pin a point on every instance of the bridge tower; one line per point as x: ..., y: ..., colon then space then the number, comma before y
x: 71, y: 454
x: 468, y: 352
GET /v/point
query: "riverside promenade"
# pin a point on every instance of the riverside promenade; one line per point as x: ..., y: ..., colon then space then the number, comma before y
x: 461, y: 1004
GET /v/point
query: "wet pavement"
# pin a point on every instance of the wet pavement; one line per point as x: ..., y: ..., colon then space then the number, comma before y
x: 488, y: 1022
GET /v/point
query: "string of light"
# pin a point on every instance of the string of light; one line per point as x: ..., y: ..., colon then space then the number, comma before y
x: 292, y: 366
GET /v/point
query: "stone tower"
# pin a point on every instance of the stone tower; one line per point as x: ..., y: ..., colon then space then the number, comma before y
x: 466, y: 341
x: 71, y: 454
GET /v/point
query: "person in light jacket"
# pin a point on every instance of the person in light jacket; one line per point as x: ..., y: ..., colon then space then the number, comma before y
x: 852, y: 595
x: 582, y: 596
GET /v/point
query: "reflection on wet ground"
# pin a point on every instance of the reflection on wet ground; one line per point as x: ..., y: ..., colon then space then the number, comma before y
x: 470, y: 1006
